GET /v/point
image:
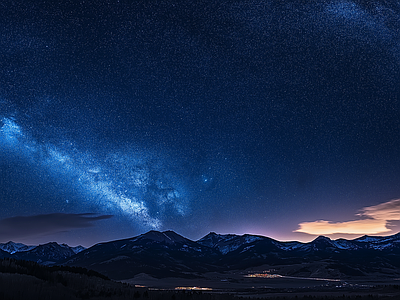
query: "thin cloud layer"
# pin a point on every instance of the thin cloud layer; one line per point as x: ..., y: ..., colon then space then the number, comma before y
x: 40, y: 225
x: 384, y: 211
x: 367, y: 226
x: 375, y: 219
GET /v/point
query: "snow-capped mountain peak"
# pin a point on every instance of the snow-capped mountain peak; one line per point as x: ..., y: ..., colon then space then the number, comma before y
x: 12, y: 247
x: 379, y: 242
x: 226, y: 243
x: 78, y: 249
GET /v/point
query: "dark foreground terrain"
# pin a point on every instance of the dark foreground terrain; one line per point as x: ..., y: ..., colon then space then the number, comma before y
x: 29, y: 280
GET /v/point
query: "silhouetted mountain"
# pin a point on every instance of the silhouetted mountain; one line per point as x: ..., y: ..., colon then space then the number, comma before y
x: 228, y: 242
x: 164, y: 254
x: 12, y: 247
x: 168, y: 237
x: 160, y: 254
x: 379, y: 242
x: 168, y: 254
x: 49, y: 253
x: 320, y: 244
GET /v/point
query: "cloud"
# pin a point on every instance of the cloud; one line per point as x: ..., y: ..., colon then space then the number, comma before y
x: 384, y: 211
x: 374, y: 219
x: 40, y: 225
x: 368, y: 226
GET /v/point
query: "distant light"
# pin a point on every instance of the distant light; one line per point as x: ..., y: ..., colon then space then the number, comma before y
x: 194, y: 288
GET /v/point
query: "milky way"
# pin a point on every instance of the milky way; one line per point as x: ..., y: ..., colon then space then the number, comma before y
x: 263, y: 117
x: 135, y: 185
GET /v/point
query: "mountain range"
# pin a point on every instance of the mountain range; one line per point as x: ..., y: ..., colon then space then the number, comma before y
x: 168, y: 254
x: 47, y: 254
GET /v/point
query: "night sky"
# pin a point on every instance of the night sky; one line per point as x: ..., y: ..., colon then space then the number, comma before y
x: 278, y: 118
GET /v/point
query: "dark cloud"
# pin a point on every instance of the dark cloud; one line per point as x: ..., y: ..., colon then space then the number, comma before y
x: 39, y: 225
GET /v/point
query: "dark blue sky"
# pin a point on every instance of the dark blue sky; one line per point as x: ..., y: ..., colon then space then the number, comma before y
x: 261, y: 117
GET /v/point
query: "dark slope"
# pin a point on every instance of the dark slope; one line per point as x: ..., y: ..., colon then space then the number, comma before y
x: 161, y: 254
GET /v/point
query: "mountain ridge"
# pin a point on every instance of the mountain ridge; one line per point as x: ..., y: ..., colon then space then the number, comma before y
x: 168, y: 254
x: 47, y: 254
x: 160, y: 255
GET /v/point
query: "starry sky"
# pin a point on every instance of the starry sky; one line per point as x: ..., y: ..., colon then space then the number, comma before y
x: 270, y: 117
